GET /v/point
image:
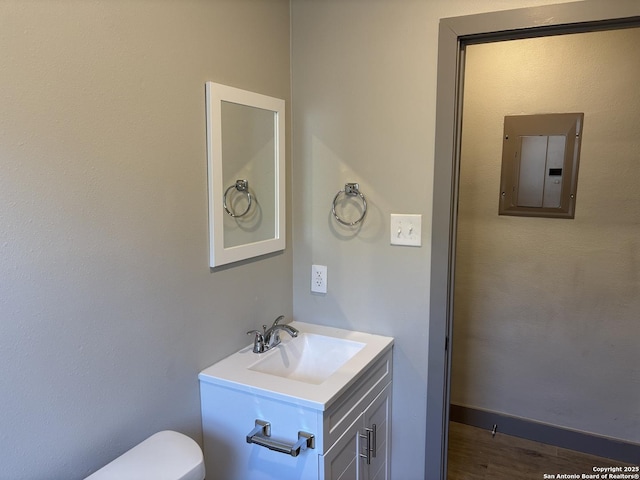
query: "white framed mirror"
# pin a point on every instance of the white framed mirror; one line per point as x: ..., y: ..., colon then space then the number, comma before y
x: 246, y: 173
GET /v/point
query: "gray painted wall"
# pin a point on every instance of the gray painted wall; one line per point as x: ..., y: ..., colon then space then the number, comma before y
x: 108, y: 309
x: 546, y: 310
x: 364, y: 94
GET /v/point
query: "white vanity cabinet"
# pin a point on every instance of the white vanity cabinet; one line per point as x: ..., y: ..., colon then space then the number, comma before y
x: 342, y: 447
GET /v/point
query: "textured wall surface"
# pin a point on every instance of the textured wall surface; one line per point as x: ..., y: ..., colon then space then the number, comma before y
x: 364, y: 94
x: 108, y: 308
x: 546, y: 310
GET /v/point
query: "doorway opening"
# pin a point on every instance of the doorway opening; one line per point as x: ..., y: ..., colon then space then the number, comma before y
x: 536, y: 298
x: 455, y: 35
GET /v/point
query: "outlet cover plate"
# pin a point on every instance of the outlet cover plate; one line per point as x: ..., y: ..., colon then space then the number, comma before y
x: 406, y: 229
x: 319, y: 278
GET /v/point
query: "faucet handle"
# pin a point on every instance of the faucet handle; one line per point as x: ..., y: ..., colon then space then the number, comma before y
x: 258, y: 341
x: 278, y: 320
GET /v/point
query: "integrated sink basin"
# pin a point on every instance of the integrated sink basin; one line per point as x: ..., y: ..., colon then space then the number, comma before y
x: 312, y: 369
x: 309, y: 358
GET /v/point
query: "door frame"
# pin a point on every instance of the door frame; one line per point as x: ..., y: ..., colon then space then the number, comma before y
x: 454, y: 34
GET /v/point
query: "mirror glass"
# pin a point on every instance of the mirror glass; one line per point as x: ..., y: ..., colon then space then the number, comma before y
x: 248, y: 149
x: 245, y: 136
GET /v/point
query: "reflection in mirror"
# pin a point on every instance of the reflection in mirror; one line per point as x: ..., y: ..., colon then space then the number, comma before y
x: 245, y: 149
x: 248, y: 147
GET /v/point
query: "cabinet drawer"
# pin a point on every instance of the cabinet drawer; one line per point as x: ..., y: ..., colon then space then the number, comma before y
x: 346, y: 409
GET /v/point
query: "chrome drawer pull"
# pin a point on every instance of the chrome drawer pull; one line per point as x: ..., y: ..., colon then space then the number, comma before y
x: 374, y: 434
x: 371, y: 437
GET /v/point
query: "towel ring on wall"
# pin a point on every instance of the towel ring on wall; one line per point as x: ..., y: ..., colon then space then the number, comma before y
x: 241, y: 186
x: 350, y: 190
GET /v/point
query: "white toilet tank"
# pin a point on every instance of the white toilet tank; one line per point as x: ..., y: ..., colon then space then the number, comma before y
x: 165, y: 455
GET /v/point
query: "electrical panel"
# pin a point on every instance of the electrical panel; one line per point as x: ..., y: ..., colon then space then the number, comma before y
x: 540, y: 158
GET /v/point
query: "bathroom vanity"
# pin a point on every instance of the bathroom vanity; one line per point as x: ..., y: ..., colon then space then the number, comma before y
x: 317, y: 406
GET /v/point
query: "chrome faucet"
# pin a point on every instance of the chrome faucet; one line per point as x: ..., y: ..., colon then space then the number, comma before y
x: 270, y: 337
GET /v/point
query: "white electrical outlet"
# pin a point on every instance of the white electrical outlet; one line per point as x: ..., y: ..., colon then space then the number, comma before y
x: 319, y: 278
x: 406, y: 230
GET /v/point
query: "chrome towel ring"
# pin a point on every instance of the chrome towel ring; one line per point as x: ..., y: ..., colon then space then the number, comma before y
x: 350, y: 190
x: 241, y: 186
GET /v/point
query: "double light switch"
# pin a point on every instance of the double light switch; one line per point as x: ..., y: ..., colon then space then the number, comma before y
x: 406, y: 230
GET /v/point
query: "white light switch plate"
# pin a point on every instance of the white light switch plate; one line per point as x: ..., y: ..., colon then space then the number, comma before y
x: 406, y: 230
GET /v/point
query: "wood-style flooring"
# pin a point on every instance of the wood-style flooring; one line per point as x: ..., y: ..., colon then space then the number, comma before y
x: 474, y: 454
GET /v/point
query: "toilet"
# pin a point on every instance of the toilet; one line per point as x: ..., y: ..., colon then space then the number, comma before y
x: 165, y: 455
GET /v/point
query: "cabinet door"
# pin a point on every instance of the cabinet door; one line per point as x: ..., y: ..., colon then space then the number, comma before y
x: 341, y: 460
x: 379, y: 414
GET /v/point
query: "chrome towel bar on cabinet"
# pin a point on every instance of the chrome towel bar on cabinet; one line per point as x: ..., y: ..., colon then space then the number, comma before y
x: 261, y: 434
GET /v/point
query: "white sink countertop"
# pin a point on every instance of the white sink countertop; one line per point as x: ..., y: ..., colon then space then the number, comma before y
x: 242, y: 370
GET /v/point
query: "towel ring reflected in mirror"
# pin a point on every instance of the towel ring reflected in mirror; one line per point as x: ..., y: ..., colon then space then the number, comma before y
x: 350, y: 190
x: 241, y: 186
